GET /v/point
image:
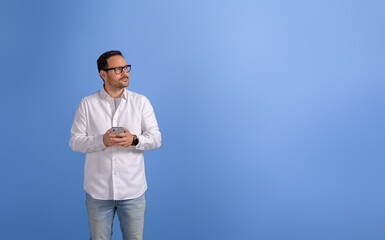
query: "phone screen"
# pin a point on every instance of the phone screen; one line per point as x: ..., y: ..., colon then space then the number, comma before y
x: 117, y: 130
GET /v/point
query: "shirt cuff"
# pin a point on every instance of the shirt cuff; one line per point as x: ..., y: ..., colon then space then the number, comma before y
x: 99, y: 142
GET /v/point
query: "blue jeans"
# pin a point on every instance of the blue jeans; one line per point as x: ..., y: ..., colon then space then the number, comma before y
x: 101, y: 216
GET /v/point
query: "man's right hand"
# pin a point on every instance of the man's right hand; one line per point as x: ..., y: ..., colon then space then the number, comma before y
x: 107, y: 138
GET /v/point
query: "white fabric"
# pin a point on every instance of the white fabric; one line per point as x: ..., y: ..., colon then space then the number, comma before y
x: 115, y: 172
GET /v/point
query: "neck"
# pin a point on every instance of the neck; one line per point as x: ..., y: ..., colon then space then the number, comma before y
x: 113, y: 92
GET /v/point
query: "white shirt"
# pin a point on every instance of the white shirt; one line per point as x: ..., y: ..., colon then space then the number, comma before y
x: 115, y: 172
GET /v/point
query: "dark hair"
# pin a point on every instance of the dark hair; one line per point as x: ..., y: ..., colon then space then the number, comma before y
x: 102, y: 60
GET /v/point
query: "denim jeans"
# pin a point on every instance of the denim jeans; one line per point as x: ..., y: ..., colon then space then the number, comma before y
x: 101, y: 216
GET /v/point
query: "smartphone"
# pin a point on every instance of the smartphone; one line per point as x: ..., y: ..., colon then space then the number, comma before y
x: 117, y: 130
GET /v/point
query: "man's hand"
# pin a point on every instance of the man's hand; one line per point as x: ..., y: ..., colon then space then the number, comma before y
x: 118, y: 139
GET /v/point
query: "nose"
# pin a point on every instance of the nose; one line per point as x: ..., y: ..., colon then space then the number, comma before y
x: 125, y: 74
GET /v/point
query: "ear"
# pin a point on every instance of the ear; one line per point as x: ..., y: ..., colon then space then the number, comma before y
x: 103, y: 74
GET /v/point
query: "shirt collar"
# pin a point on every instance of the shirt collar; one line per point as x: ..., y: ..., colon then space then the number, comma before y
x: 104, y: 94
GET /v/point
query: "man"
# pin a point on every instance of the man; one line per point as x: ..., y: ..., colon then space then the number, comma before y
x: 114, y: 175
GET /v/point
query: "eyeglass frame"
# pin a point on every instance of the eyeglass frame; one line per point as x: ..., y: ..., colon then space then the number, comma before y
x: 115, y: 69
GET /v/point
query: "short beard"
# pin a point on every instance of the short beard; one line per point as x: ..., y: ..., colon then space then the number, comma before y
x: 118, y: 84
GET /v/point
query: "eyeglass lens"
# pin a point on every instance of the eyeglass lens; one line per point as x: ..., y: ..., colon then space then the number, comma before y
x: 119, y: 70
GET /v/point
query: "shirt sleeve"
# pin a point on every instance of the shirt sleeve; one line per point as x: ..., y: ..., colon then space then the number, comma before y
x: 80, y: 141
x: 151, y: 136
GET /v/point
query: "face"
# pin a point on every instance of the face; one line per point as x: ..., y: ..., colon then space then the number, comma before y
x: 112, y: 79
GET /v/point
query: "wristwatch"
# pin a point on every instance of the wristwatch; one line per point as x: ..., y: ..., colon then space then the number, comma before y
x: 135, y: 141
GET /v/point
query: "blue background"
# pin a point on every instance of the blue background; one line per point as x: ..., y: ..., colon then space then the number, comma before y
x: 271, y: 115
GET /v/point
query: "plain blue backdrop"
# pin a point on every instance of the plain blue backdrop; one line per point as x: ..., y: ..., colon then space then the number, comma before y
x: 271, y: 113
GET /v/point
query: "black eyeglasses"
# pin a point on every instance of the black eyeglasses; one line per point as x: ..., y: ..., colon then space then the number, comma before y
x: 119, y: 70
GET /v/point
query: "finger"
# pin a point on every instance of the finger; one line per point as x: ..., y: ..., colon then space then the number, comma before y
x: 119, y: 140
x: 121, y: 135
x: 116, y: 135
x: 114, y: 139
x: 123, y: 144
x: 126, y: 130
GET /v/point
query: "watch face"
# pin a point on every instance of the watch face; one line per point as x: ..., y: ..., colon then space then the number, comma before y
x: 135, y: 141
